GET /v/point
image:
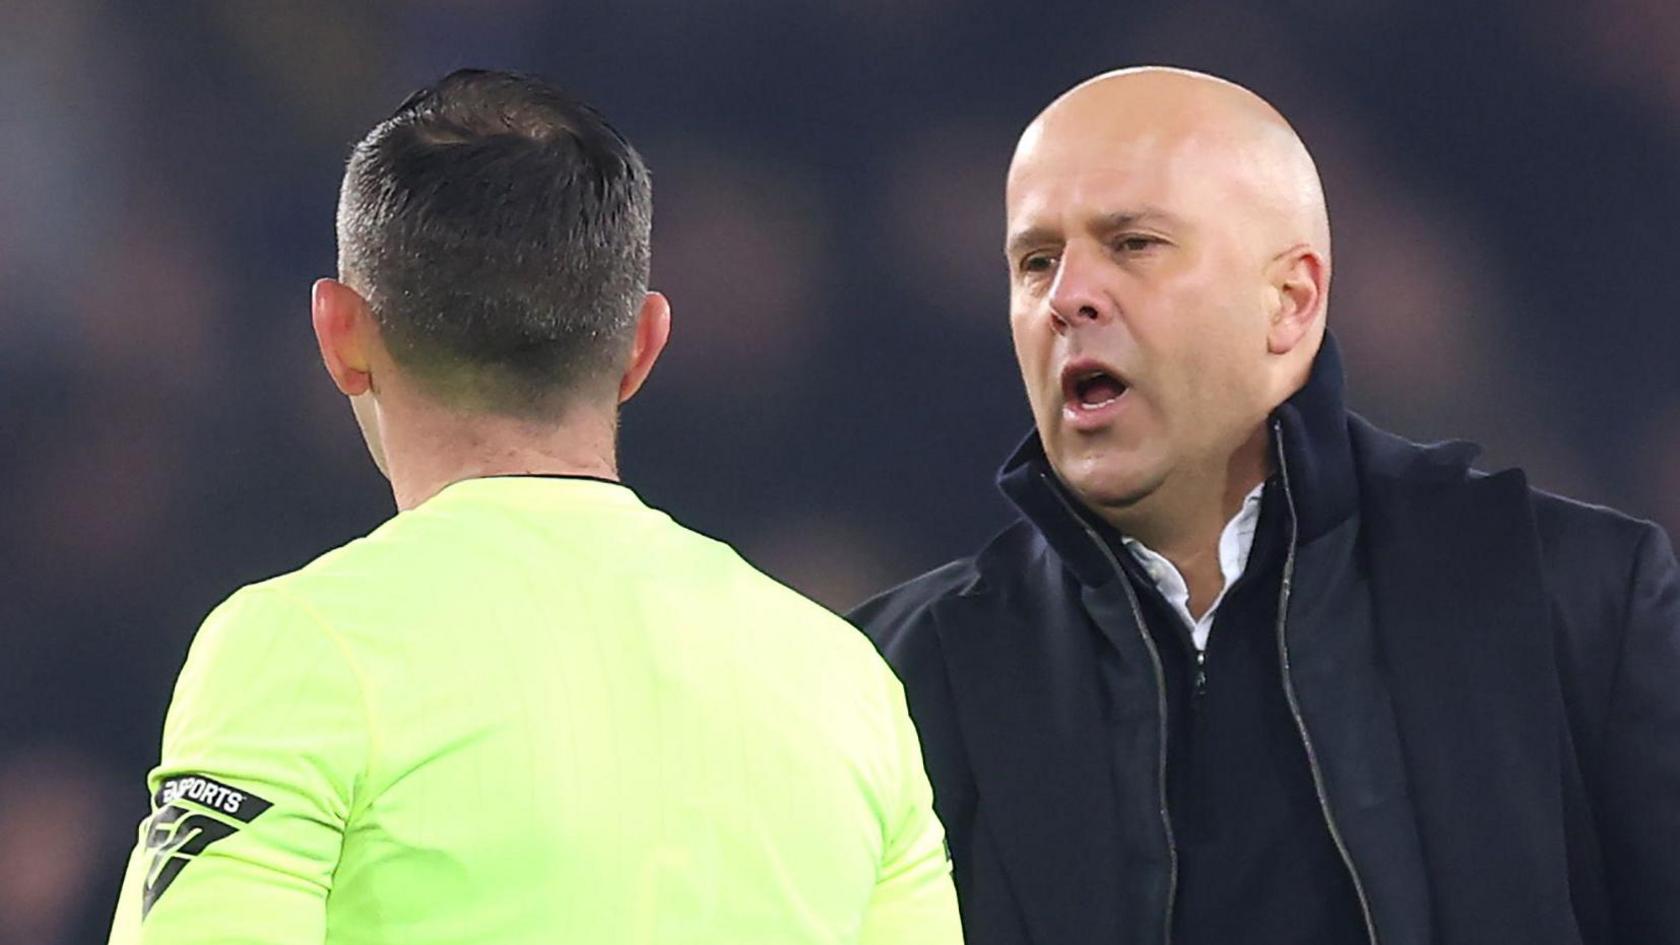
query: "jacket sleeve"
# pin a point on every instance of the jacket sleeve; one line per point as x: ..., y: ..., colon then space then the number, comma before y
x: 1640, y: 807
x: 264, y: 741
x: 914, y: 902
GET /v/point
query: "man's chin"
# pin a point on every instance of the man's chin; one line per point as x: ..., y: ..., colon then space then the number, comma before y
x: 1109, y: 489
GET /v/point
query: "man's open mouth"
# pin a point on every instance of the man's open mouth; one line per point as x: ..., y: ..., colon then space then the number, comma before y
x: 1090, y: 388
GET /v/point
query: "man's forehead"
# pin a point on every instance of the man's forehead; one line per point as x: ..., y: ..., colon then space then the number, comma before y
x: 1186, y: 171
x: 1088, y: 181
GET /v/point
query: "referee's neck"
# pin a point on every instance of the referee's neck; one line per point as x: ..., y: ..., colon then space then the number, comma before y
x: 428, y: 449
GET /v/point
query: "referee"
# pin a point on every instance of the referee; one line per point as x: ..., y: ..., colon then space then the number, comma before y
x: 529, y: 708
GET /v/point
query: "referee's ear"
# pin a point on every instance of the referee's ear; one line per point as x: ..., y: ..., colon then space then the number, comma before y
x: 653, y: 329
x: 342, y: 326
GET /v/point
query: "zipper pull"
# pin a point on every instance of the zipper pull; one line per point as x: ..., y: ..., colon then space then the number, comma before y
x: 1201, y: 674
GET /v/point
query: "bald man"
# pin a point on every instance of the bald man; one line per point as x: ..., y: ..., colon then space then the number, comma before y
x: 1248, y: 670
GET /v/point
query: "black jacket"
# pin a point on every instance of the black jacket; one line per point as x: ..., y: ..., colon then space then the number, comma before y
x: 1487, y: 678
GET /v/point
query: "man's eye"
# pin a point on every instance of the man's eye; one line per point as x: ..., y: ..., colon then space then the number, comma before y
x: 1135, y: 244
x: 1038, y: 262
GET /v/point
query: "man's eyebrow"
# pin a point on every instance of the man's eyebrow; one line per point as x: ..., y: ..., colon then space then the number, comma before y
x: 1033, y: 236
x: 1124, y: 219
x: 1105, y: 223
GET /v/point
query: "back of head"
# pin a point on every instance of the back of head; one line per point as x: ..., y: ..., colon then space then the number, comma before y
x: 499, y: 229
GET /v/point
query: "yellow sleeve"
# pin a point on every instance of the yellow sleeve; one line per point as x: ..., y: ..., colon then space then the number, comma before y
x: 914, y: 902
x: 264, y: 745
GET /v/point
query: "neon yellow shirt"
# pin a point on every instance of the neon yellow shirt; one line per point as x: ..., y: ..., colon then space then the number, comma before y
x: 535, y: 710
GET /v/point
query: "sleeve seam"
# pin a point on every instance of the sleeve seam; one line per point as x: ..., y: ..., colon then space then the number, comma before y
x: 358, y: 800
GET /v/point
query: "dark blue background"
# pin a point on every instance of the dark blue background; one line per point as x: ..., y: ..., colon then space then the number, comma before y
x: 1503, y: 179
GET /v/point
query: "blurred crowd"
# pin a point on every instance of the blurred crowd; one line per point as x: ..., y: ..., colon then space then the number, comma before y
x: 1503, y: 179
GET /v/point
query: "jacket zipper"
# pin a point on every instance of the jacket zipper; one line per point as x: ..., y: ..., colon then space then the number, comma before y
x: 1289, y: 690
x: 1160, y: 706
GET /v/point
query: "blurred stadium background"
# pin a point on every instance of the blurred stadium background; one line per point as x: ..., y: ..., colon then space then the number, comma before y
x: 1504, y: 182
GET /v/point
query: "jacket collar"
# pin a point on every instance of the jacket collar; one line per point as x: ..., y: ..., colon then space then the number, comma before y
x: 1313, y: 432
x: 1432, y: 678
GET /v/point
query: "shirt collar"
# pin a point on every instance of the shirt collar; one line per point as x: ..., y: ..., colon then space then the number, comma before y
x: 1236, y: 542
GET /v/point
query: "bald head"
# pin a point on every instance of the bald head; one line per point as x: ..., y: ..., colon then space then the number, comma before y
x: 1233, y: 138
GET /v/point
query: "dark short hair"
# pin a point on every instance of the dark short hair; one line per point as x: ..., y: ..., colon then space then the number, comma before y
x: 499, y: 229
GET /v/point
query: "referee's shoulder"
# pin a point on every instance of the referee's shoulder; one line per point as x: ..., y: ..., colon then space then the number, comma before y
x: 767, y: 597
x: 364, y: 567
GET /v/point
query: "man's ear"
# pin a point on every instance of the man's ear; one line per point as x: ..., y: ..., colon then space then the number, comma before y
x: 343, y: 326
x: 1300, y: 281
x: 653, y: 329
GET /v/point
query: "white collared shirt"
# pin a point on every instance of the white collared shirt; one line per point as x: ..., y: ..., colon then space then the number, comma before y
x: 1235, y: 542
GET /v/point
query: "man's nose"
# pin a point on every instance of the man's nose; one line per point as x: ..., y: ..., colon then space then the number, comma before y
x: 1076, y: 298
